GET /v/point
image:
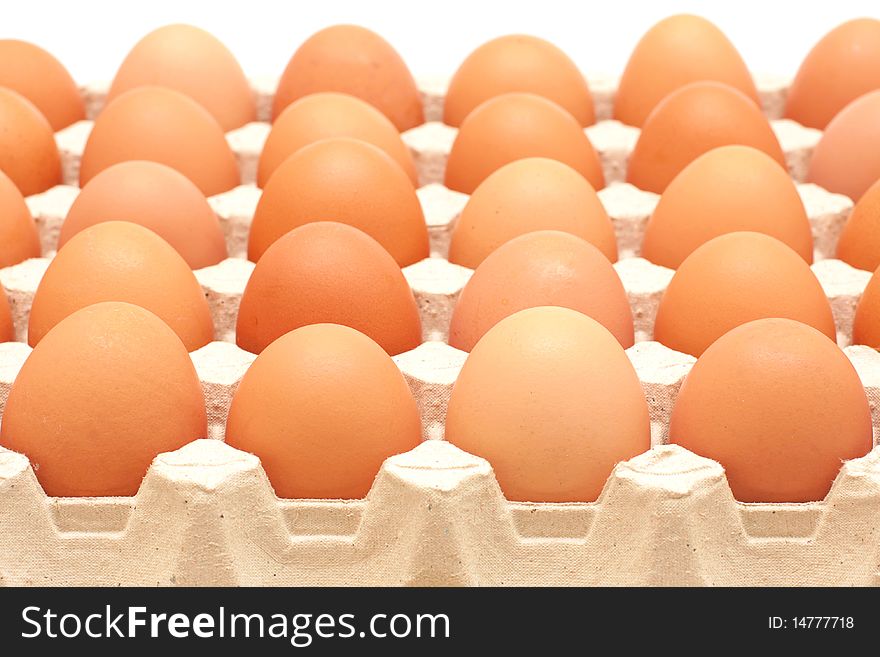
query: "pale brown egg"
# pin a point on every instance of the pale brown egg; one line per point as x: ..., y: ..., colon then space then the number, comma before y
x: 675, y: 52
x: 323, y: 406
x: 108, y: 389
x: 518, y: 62
x: 28, y: 154
x: 727, y: 189
x: 344, y: 180
x: 326, y: 115
x: 691, y: 121
x: 327, y: 272
x: 550, y: 399
x: 844, y: 65
x: 514, y: 126
x: 859, y: 243
x: 43, y: 80
x: 778, y: 405
x: 543, y: 268
x: 734, y: 279
x: 122, y: 261
x: 7, y: 328
x: 18, y: 233
x: 166, y: 126
x: 352, y: 60
x: 524, y: 196
x: 847, y: 158
x: 194, y: 62
x: 157, y: 197
x: 866, y: 324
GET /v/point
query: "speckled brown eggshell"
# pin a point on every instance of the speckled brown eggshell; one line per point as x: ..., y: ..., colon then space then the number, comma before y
x: 514, y: 126
x: 344, y: 180
x: 326, y: 115
x: 518, y: 62
x: 543, y: 268
x: 327, y: 272
x: 778, y: 405
x: 19, y: 239
x: 734, y: 279
x: 728, y: 189
x: 352, y: 60
x: 157, y: 197
x: 859, y: 242
x: 107, y: 390
x: 550, y: 399
x: 323, y: 406
x: 122, y: 261
x: 691, y: 121
x: 28, y: 153
x: 166, y: 126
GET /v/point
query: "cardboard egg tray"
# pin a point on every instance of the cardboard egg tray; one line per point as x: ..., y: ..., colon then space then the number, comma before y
x: 207, y: 515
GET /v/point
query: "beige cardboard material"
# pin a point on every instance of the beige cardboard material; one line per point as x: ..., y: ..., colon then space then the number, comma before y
x: 224, y: 285
x: 235, y: 210
x: 843, y: 285
x: 797, y: 143
x: 49, y: 210
x: 220, y: 366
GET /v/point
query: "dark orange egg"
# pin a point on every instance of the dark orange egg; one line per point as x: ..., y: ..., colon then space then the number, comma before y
x: 18, y: 233
x: 28, y: 153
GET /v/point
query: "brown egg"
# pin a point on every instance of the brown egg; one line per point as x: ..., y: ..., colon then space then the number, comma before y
x: 28, y: 154
x: 544, y: 268
x: 121, y: 261
x: 161, y: 125
x: 550, y: 399
x: 859, y: 243
x: 18, y: 233
x: 675, y: 52
x: 847, y: 158
x: 43, y: 80
x: 779, y: 405
x: 725, y: 190
x: 325, y: 115
x: 844, y: 65
x: 518, y: 62
x: 866, y: 325
x: 156, y: 197
x: 323, y: 406
x: 328, y: 272
x: 194, y: 62
x: 107, y: 390
x: 356, y: 61
x: 734, y: 279
x: 691, y: 121
x: 7, y: 329
x: 344, y: 180
x: 524, y: 196
x: 512, y: 127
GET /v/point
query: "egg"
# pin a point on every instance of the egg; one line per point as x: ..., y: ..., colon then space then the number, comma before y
x: 727, y: 189
x: 859, y: 242
x: 109, y: 388
x: 43, y: 80
x: 325, y: 115
x: 323, y: 406
x: 348, y: 181
x: 518, y: 62
x: 866, y: 323
x: 524, y: 196
x: 675, y: 52
x: 550, y: 399
x: 161, y: 125
x: 28, y: 154
x: 356, y: 61
x: 514, y: 126
x: 844, y: 65
x: 847, y: 158
x: 7, y: 328
x: 543, y: 268
x: 691, y: 121
x: 18, y: 233
x: 327, y: 272
x: 157, y: 197
x: 194, y: 62
x: 778, y: 405
x: 122, y: 261
x: 734, y: 279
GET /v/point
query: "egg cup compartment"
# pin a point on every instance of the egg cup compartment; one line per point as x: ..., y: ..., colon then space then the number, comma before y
x: 207, y: 515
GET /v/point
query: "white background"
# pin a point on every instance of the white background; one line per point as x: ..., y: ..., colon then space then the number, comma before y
x: 91, y: 37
